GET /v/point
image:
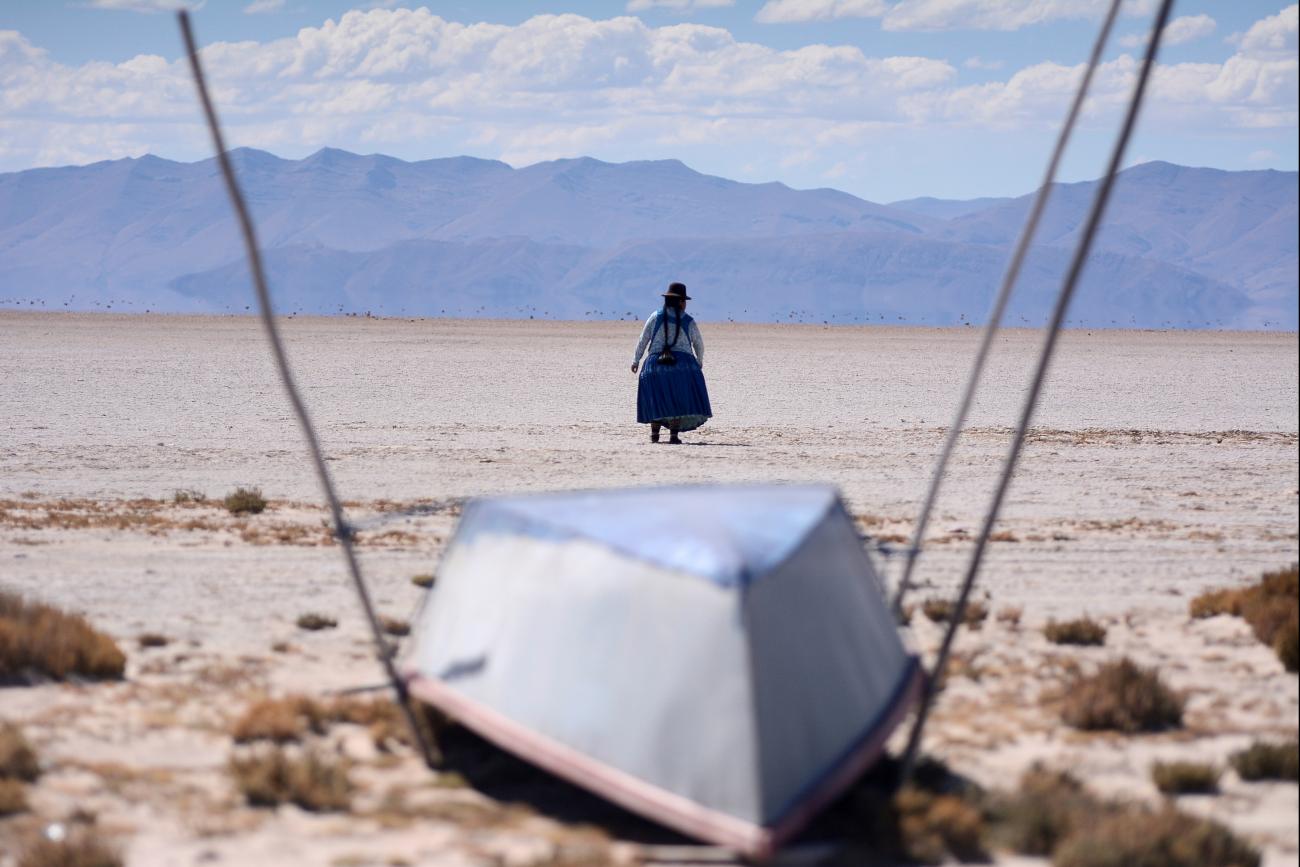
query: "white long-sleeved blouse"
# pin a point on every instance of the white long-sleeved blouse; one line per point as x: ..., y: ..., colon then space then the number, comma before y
x: 690, y: 341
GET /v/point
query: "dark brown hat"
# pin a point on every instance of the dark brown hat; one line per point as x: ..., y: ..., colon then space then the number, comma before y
x: 677, y: 290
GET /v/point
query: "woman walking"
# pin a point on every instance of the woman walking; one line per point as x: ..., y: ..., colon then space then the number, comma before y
x: 671, y: 391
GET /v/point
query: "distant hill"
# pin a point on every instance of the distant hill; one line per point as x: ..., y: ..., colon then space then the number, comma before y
x: 582, y: 238
x: 947, y: 209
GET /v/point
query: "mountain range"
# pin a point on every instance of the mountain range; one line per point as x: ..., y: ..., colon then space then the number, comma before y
x: 581, y: 238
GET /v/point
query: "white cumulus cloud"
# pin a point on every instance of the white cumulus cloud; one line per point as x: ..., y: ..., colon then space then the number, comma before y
x: 943, y: 14
x: 408, y: 82
x: 148, y: 5
x: 1188, y: 28
x: 789, y: 11
x: 677, y: 5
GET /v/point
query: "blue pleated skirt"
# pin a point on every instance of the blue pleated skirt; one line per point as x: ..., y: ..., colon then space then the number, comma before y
x: 673, y: 394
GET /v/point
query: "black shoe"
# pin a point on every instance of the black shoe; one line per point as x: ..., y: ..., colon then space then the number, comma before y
x: 674, y: 441
x: 654, y: 437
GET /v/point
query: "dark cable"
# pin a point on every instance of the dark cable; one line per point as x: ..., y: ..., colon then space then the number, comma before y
x: 999, y: 309
x: 343, y: 532
x: 1036, y: 385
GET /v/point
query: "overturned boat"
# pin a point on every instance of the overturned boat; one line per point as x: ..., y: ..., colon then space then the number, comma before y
x: 719, y: 659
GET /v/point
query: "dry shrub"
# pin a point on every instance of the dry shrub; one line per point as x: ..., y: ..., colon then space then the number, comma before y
x: 313, y: 622
x: 280, y: 720
x: 17, y: 758
x: 1140, y: 838
x: 1042, y: 812
x: 153, y: 639
x: 13, y: 797
x: 422, y: 580
x: 932, y: 826
x: 79, y: 849
x: 1053, y: 815
x: 1265, y: 761
x: 1010, y: 616
x: 245, y: 501
x: 1185, y: 778
x: 394, y: 626
x: 1084, y: 632
x: 38, y: 639
x: 941, y: 611
x: 186, y: 496
x: 272, y: 776
x: 1123, y: 697
x: 1271, y: 607
x: 290, y: 719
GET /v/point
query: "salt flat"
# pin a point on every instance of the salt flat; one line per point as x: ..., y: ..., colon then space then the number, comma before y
x: 1161, y: 464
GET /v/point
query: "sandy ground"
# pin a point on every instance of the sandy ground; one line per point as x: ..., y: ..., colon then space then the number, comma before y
x: 1162, y: 464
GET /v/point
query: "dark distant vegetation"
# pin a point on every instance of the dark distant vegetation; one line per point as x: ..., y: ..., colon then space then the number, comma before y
x: 939, y: 610
x: 1122, y: 696
x: 394, y: 626
x: 1185, y: 778
x: 315, y: 622
x: 422, y: 580
x: 245, y: 501
x: 1083, y: 631
x: 1271, y: 607
x: 40, y: 640
x: 1268, y: 761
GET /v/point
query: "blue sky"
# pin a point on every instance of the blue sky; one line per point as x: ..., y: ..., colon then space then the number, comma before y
x: 886, y: 99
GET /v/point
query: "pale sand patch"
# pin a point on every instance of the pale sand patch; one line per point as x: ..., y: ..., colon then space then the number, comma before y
x: 1164, y: 464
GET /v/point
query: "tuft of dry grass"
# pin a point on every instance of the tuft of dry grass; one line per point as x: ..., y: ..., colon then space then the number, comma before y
x: 272, y: 776
x: 290, y: 719
x: 153, y: 639
x: 17, y: 758
x: 932, y: 826
x: 394, y: 626
x: 1268, y: 761
x: 38, y: 639
x: 279, y: 720
x: 1125, y: 697
x: 1185, y: 778
x: 188, y: 496
x: 245, y: 501
x: 423, y: 580
x: 1168, y: 838
x: 314, y: 622
x: 1271, y: 607
x: 13, y: 797
x: 1035, y: 818
x: 1010, y: 616
x: 79, y: 849
x: 939, y: 610
x: 1052, y: 815
x: 1083, y: 632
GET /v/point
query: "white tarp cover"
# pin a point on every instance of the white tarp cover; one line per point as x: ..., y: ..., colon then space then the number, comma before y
x: 718, y: 658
